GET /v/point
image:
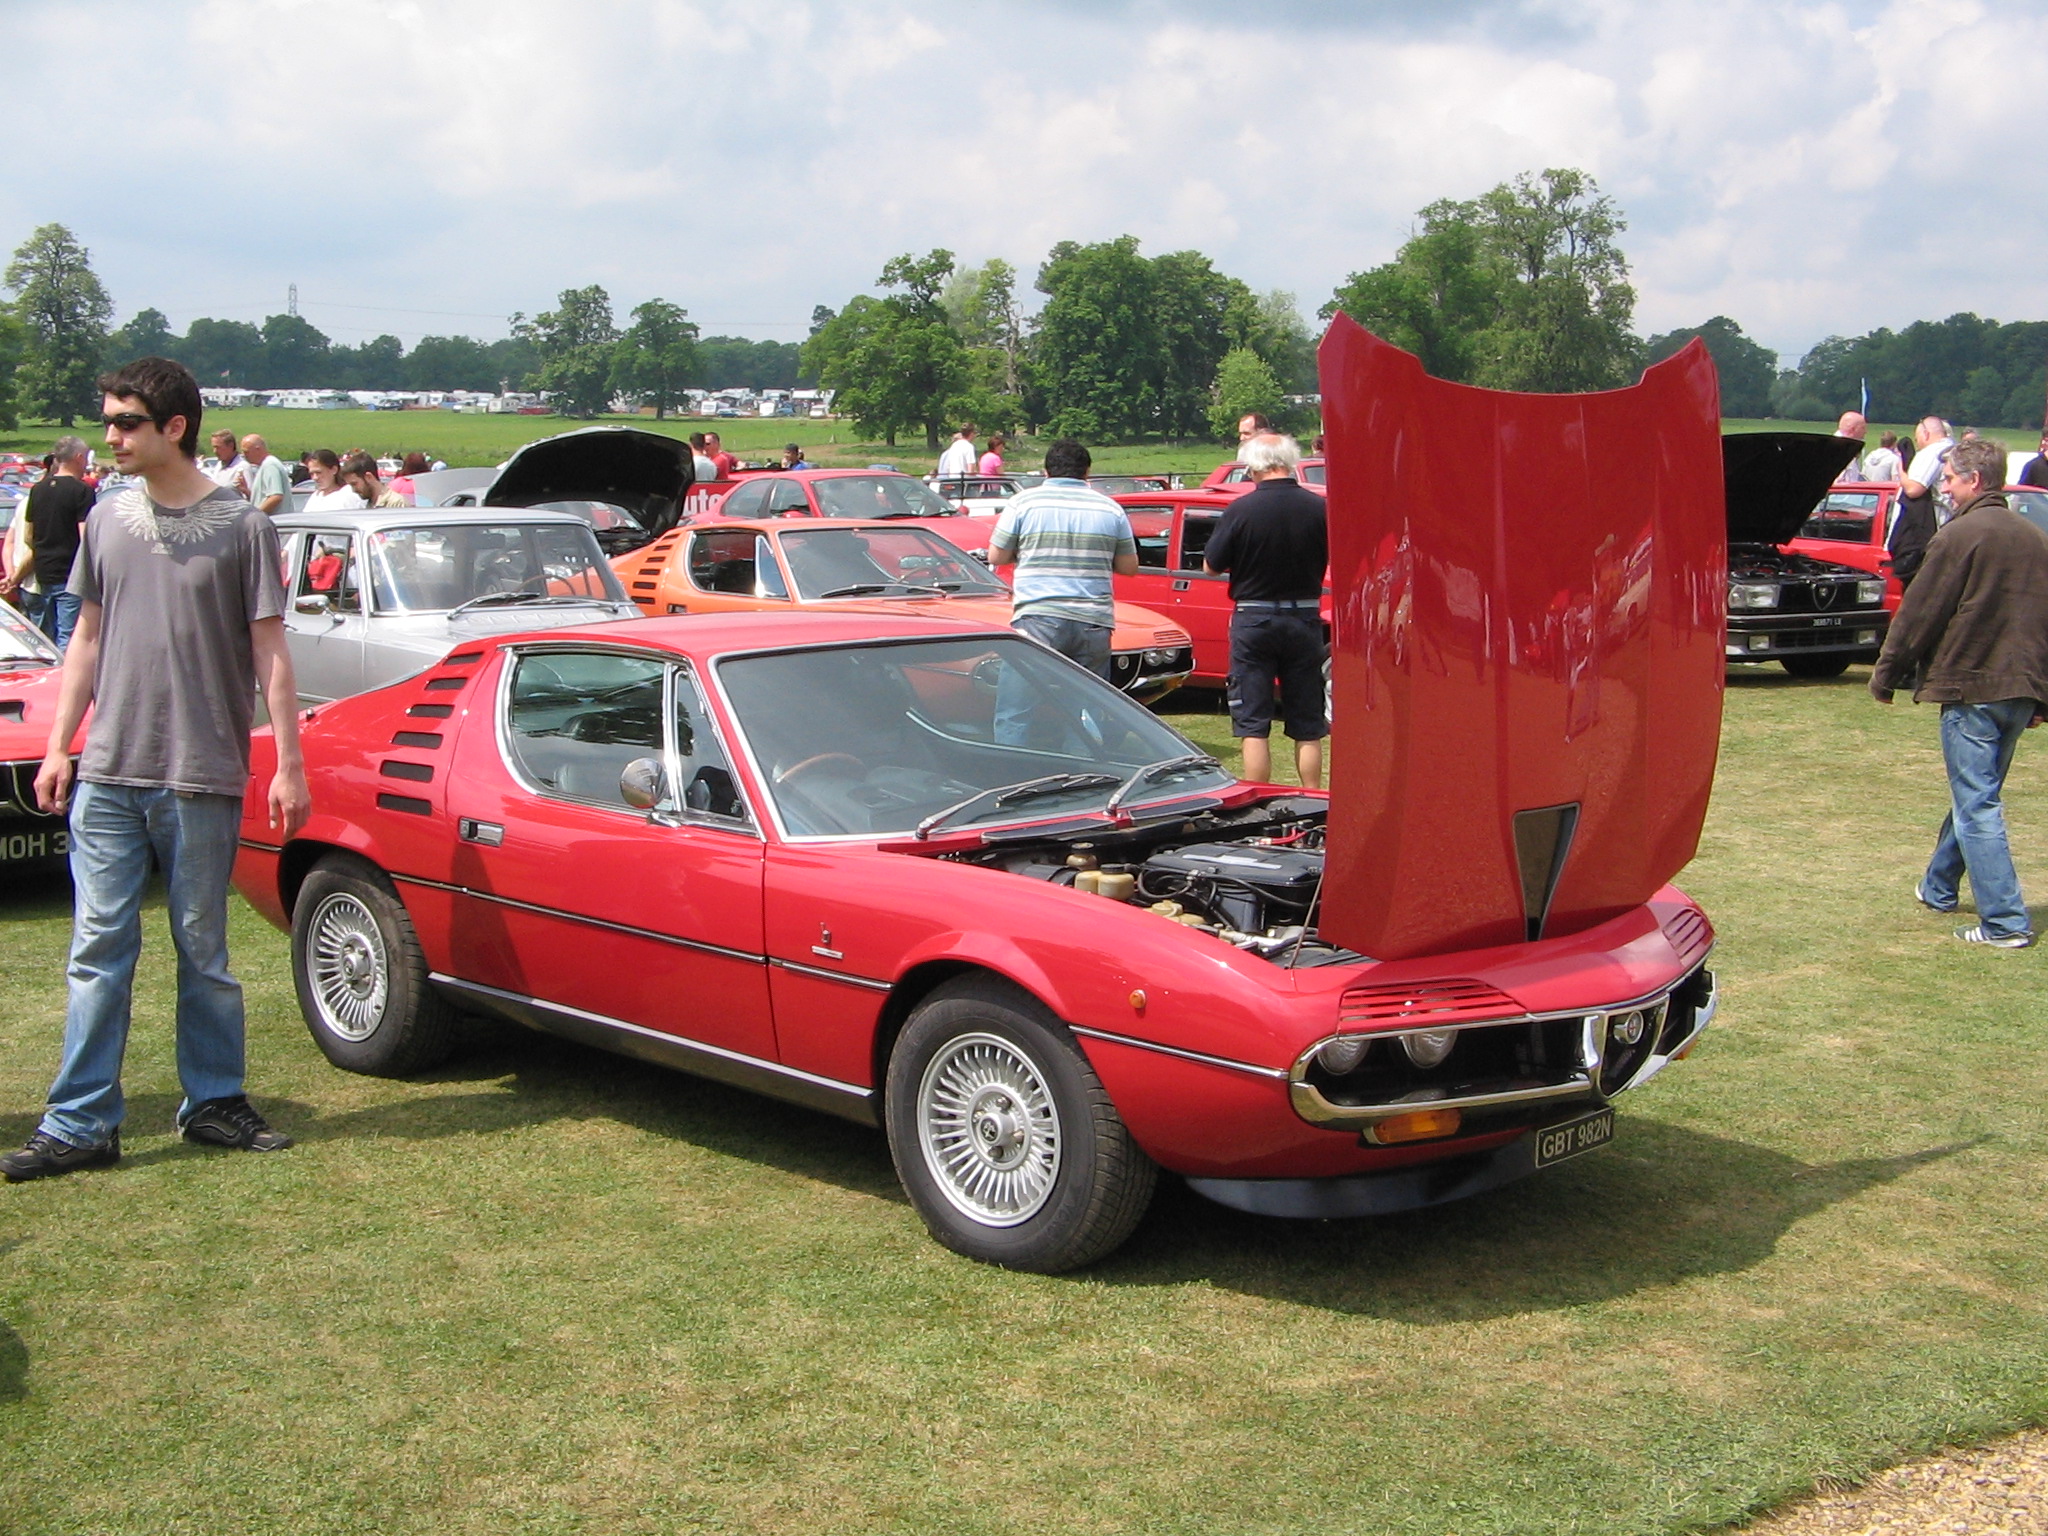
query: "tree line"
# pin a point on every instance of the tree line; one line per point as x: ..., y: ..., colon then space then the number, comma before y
x: 1524, y: 287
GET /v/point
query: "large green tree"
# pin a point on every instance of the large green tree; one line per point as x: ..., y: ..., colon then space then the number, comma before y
x: 1127, y: 346
x: 147, y: 334
x: 896, y: 362
x: 1244, y: 384
x: 573, y: 346
x: 296, y: 354
x: 450, y: 362
x: 65, y: 311
x: 1748, y: 368
x: 224, y: 352
x: 1524, y: 287
x: 657, y: 356
x: 13, y: 345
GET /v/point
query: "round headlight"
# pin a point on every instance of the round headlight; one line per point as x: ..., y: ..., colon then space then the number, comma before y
x: 1627, y: 1028
x: 1428, y: 1047
x: 1344, y: 1053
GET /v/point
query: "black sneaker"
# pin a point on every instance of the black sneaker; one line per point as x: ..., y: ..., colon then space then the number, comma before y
x: 45, y: 1156
x: 231, y: 1123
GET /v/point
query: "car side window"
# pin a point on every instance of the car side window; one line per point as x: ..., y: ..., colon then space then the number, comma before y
x: 702, y: 768
x: 574, y: 720
x: 786, y: 496
x: 329, y: 572
x: 723, y: 561
x: 747, y: 500
x: 1152, y: 527
x: 1195, y: 528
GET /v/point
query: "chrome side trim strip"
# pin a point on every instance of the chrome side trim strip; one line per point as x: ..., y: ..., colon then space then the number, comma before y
x: 250, y: 842
x: 1317, y: 1110
x: 848, y: 1100
x: 866, y: 982
x: 1277, y: 1073
x: 590, y: 922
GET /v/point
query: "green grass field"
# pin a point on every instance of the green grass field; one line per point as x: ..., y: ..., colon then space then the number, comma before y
x: 548, y: 1290
x: 480, y: 440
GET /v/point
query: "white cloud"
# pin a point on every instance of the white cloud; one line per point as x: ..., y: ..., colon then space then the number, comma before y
x: 1807, y: 168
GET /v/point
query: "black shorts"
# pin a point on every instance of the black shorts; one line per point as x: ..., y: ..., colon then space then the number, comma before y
x: 1283, y: 645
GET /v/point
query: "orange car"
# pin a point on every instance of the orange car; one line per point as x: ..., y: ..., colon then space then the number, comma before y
x: 772, y: 563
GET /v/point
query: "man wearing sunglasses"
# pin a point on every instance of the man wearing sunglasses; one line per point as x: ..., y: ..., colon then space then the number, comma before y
x: 180, y: 618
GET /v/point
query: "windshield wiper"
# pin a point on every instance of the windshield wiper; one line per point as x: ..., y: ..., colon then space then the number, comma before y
x: 1154, y: 772
x: 505, y: 599
x: 1012, y: 794
x: 869, y: 588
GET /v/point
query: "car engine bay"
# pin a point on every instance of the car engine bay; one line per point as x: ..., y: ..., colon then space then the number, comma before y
x: 1251, y: 877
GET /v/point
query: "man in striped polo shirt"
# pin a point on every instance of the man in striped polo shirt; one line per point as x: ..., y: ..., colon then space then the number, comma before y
x: 1065, y: 540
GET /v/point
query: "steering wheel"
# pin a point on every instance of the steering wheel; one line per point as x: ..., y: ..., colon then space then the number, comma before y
x: 822, y: 760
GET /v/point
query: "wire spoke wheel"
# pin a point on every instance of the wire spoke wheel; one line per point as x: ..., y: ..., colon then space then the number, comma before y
x: 989, y: 1129
x: 349, y: 970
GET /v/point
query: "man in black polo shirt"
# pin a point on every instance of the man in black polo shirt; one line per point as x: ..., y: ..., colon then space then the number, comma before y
x: 57, y: 508
x: 1274, y: 543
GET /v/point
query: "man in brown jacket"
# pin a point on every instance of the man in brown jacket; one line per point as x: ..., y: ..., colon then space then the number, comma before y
x: 1972, y: 636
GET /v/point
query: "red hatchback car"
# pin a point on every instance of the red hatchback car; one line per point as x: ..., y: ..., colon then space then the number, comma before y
x: 858, y: 494
x: 936, y: 879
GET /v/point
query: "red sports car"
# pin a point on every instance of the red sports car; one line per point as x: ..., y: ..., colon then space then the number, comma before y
x: 856, y: 494
x: 936, y: 879
x: 30, y: 670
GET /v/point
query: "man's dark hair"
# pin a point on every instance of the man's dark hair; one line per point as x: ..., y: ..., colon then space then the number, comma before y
x: 1259, y: 422
x: 166, y: 389
x: 361, y: 464
x: 1067, y: 460
x: 697, y: 441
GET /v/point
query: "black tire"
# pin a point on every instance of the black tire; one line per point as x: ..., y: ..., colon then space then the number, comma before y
x: 361, y: 979
x: 1043, y: 1176
x: 1815, y: 666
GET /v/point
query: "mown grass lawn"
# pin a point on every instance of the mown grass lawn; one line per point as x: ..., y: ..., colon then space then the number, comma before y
x: 549, y: 1290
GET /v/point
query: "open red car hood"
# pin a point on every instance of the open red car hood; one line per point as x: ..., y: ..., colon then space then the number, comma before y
x: 1528, y: 654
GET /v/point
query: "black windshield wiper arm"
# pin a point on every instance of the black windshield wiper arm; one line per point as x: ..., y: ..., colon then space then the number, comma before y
x: 1012, y: 794
x: 1154, y: 772
x: 494, y: 600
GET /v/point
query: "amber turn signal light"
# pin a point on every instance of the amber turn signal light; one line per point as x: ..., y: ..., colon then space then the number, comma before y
x: 1422, y: 1125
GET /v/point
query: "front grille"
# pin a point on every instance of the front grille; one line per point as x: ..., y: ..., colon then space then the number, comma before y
x: 1164, y: 638
x: 18, y: 788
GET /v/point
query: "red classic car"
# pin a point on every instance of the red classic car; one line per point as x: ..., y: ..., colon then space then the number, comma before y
x: 774, y: 565
x: 935, y: 879
x: 1849, y: 527
x: 30, y: 670
x: 856, y: 494
x: 1172, y: 529
x: 1232, y: 476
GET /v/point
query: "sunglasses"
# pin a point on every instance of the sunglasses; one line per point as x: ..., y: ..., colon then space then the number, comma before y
x: 127, y: 421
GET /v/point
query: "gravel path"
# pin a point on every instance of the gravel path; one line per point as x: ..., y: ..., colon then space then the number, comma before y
x: 1998, y: 1490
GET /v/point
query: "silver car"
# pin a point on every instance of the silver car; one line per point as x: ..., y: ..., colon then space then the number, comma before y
x: 379, y: 594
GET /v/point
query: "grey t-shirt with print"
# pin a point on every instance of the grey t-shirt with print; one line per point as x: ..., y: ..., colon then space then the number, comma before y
x: 178, y: 589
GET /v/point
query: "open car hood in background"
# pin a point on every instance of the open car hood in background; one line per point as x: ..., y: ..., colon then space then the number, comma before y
x: 1527, y: 646
x: 644, y: 472
x: 1776, y: 479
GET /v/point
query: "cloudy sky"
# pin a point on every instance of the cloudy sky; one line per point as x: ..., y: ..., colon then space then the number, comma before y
x: 423, y: 166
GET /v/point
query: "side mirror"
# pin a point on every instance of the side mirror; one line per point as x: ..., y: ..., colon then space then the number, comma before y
x: 311, y: 603
x: 643, y: 785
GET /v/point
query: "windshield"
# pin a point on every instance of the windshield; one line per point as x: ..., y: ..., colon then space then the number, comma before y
x: 21, y: 642
x: 1843, y: 516
x: 872, y: 740
x: 2032, y: 505
x: 432, y: 569
x: 880, y: 562
x: 879, y: 496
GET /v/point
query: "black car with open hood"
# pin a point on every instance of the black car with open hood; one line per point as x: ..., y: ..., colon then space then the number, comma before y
x: 1813, y: 616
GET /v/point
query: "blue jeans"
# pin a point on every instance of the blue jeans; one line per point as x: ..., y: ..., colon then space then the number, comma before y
x: 60, y: 615
x: 115, y: 829
x: 1085, y: 644
x: 1977, y: 742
